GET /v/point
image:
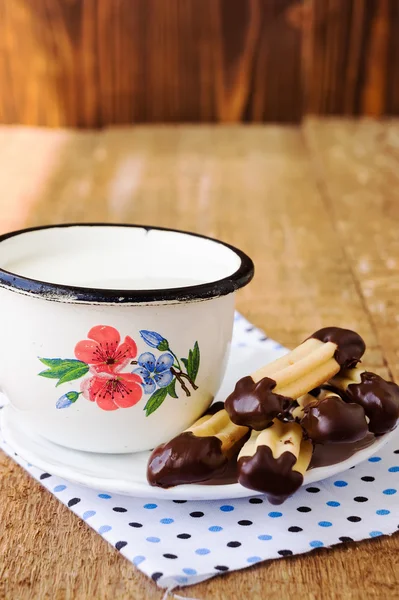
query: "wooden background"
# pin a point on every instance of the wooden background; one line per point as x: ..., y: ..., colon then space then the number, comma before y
x: 92, y: 63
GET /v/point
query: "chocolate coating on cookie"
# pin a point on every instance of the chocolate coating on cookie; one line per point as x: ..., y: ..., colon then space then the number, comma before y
x: 379, y: 399
x: 332, y: 420
x: 186, y: 459
x: 272, y: 476
x: 214, y: 408
x: 254, y: 404
x: 325, y: 455
x: 351, y: 346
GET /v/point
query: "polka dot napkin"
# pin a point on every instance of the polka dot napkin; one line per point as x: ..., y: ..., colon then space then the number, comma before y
x: 178, y: 543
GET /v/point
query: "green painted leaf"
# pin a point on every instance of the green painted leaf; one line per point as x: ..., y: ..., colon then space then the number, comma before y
x: 190, y: 364
x: 195, y: 361
x: 64, y: 370
x: 74, y: 373
x: 58, y: 365
x: 49, y: 374
x: 52, y: 362
x: 171, y: 389
x: 155, y: 401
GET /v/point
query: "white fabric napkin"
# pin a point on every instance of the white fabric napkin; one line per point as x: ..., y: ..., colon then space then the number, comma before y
x: 178, y: 543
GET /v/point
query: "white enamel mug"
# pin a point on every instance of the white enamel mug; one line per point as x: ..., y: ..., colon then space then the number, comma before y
x: 115, y: 337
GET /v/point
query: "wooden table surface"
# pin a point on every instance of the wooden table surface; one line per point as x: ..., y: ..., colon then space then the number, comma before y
x: 316, y: 207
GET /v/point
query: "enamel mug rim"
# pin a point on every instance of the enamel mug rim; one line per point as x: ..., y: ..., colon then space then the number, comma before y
x: 60, y: 292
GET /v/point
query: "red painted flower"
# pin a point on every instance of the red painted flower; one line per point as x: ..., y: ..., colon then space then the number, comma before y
x: 104, y: 351
x: 113, y: 390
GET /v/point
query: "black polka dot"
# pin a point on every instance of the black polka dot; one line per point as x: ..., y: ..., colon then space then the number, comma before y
x: 295, y: 529
x: 221, y: 568
x: 285, y: 552
x: 313, y: 490
x: 120, y: 545
x: 360, y: 499
x: 179, y: 501
x: 368, y: 478
x: 396, y: 451
x: 73, y: 501
x: 354, y: 519
x: 234, y: 544
x: 155, y: 576
x: 345, y: 539
x: 45, y: 475
x: 255, y: 501
x: 136, y: 524
x: 352, y: 467
x: 183, y: 536
x: 196, y: 514
x: 170, y: 556
x: 244, y: 522
x: 304, y: 508
x: 119, y: 509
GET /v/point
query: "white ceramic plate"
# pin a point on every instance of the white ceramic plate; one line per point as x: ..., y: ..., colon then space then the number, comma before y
x: 126, y: 473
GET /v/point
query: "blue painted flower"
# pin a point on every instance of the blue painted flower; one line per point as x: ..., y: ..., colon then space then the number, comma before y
x: 67, y: 399
x: 153, y: 339
x: 154, y: 372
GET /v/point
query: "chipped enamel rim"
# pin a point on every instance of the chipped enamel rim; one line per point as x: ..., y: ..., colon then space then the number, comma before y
x: 59, y: 292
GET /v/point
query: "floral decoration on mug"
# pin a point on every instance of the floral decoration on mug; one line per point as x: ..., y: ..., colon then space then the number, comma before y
x: 105, y: 360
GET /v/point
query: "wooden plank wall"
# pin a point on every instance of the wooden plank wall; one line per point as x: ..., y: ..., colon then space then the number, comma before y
x: 91, y: 63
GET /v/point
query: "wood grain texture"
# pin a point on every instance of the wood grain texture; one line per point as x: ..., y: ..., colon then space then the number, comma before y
x: 92, y: 63
x: 317, y: 210
x: 95, y: 62
x: 352, y: 69
x: 358, y: 172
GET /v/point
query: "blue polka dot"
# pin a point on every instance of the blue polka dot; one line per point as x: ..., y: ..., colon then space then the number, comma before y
x: 382, y: 511
x: 227, y: 508
x: 88, y: 514
x: 60, y: 488
x: 138, y: 559
x: 389, y: 491
x: 202, y: 551
x: 393, y: 469
x: 316, y: 544
x: 375, y: 533
x: 333, y: 503
x: 105, y: 496
x: 167, y: 521
x: 181, y: 580
x: 264, y: 537
x: 375, y: 459
x: 29, y: 465
x: 154, y: 540
x: 253, y: 559
x: 215, y: 528
x: 275, y: 515
x: 150, y: 506
x: 325, y: 523
x: 188, y: 571
x: 104, y: 529
x: 340, y: 483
